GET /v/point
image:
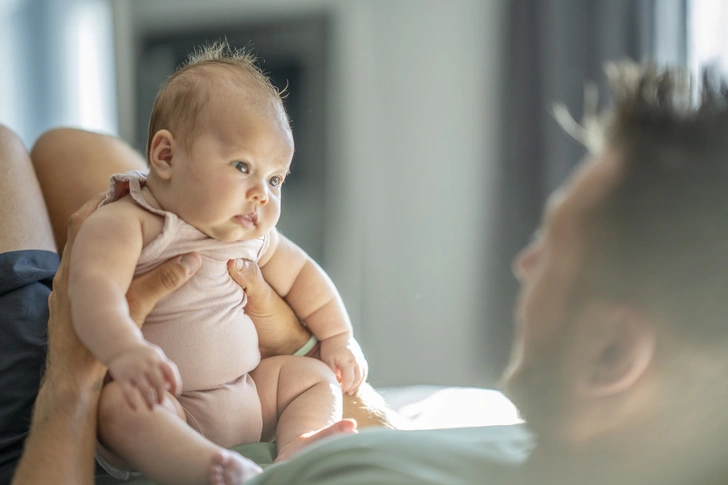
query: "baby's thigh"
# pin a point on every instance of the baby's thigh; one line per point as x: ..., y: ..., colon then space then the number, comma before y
x: 118, y: 422
x: 228, y: 415
x: 282, y: 379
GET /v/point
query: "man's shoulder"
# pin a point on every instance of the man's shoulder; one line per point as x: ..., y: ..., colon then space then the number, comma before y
x: 465, y: 436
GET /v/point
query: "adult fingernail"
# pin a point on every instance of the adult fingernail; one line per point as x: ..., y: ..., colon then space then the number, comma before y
x: 190, y: 262
x: 239, y: 264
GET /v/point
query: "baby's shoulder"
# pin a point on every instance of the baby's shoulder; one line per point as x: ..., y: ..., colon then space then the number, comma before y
x: 151, y: 224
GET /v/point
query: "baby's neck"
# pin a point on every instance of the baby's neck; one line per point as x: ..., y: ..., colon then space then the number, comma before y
x: 153, y: 193
x: 151, y: 200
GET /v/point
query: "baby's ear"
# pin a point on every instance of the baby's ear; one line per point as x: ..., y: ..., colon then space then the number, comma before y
x: 161, y: 153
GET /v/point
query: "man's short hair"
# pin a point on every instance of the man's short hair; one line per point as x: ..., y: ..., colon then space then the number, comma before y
x: 183, y: 95
x: 660, y: 238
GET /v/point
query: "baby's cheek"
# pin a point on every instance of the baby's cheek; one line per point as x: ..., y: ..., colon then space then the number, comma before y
x: 271, y: 218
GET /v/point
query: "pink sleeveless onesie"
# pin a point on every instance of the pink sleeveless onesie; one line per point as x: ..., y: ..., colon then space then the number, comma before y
x: 202, y: 326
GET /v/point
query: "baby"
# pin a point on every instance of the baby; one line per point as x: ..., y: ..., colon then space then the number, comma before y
x: 191, y: 383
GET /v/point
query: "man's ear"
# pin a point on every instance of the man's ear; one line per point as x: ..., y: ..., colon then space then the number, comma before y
x: 621, y: 351
x: 161, y: 153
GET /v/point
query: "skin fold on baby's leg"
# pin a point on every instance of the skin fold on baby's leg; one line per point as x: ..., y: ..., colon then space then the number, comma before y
x: 301, y: 403
x: 158, y: 443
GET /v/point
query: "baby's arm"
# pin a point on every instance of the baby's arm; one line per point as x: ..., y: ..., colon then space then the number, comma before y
x: 312, y: 295
x: 103, y: 259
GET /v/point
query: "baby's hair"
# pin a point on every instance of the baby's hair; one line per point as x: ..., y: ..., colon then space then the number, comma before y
x: 183, y: 95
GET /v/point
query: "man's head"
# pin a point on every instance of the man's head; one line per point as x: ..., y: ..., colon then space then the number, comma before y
x: 622, y: 311
x: 220, y: 145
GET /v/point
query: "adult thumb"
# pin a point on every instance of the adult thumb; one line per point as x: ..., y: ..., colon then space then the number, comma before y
x: 247, y: 274
x: 146, y: 290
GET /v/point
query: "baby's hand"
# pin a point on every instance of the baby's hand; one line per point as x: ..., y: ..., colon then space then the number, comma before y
x: 343, y: 354
x: 145, y: 369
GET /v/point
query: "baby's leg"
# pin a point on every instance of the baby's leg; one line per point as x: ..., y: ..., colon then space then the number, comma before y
x: 159, y: 444
x: 301, y: 401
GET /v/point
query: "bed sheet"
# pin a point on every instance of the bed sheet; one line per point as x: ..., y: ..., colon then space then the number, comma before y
x: 439, y: 407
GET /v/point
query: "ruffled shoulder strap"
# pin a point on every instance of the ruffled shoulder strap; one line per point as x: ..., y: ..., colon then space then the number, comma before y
x: 132, y: 183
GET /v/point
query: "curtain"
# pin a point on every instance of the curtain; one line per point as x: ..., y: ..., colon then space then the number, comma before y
x: 58, y: 66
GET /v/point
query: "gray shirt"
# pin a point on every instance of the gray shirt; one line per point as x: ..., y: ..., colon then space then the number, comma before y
x: 487, y: 455
x: 484, y: 455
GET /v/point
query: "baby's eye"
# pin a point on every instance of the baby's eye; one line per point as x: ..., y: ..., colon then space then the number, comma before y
x: 275, y: 181
x: 241, y: 166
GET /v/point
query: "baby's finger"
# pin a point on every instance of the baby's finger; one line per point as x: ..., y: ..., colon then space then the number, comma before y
x: 171, y: 375
x: 347, y: 378
x: 334, y: 367
x: 358, y: 378
x: 155, y: 395
x: 146, y: 389
x: 156, y: 380
x: 363, y: 366
x: 130, y: 394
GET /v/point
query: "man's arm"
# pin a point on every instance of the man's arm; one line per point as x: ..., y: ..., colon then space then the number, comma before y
x: 60, y: 447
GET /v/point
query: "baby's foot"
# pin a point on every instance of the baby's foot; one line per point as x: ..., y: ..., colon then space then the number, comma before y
x: 230, y: 468
x: 345, y: 426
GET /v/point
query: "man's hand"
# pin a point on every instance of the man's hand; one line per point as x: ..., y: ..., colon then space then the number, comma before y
x: 281, y: 333
x: 344, y: 356
x: 146, y: 290
x: 279, y: 330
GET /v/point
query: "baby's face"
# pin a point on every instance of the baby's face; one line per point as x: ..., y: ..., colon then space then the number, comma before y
x: 228, y: 183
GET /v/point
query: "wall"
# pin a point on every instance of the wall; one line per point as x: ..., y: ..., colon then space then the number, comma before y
x: 413, y: 139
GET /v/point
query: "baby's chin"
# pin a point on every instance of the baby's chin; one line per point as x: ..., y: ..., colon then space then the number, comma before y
x: 248, y: 234
x: 236, y: 233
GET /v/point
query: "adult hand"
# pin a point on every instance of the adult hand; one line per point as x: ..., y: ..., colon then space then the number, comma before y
x: 280, y: 332
x: 146, y: 290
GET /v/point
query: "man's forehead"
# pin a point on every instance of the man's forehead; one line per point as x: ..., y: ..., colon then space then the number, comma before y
x: 588, y: 183
x: 554, y: 200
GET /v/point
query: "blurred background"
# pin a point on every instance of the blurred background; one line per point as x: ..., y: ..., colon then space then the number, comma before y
x: 425, y: 147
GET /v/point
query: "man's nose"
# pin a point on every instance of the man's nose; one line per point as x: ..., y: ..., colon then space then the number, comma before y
x: 525, y: 260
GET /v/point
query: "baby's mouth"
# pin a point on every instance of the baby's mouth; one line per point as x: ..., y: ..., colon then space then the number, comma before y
x: 247, y: 220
